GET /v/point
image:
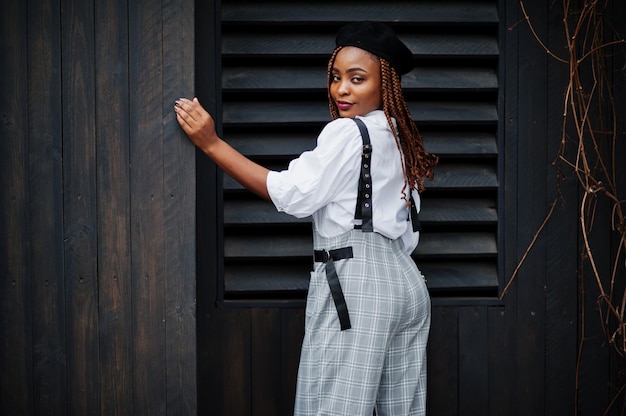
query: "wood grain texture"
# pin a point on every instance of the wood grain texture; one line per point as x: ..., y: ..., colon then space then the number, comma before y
x: 111, y: 229
x: 502, y: 364
x: 562, y: 306
x: 79, y: 207
x: 46, y: 207
x: 113, y: 199
x: 16, y: 343
x: 532, y: 200
x: 210, y: 323
x: 443, y: 362
x: 147, y: 207
x: 266, y: 360
x: 236, y: 366
x: 473, y: 361
x: 292, y: 333
x: 179, y: 212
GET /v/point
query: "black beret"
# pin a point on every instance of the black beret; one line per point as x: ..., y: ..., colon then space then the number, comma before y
x: 379, y: 39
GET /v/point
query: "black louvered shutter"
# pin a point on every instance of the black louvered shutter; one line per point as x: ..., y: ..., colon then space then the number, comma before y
x: 274, y: 57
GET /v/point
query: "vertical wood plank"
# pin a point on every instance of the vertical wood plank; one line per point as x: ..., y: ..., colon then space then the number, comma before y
x: 291, y: 345
x: 473, y: 361
x: 443, y: 362
x: 502, y: 334
x: 210, y: 323
x: 80, y: 224
x: 180, y: 210
x: 508, y: 205
x: 561, y: 242
x: 236, y: 363
x: 265, y: 378
x: 593, y: 396
x: 147, y: 206
x: 502, y: 362
x: 211, y: 365
x: 113, y: 201
x: 16, y: 366
x: 46, y: 207
x: 532, y: 199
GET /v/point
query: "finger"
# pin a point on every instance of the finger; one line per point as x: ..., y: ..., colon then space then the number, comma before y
x: 183, y: 122
x: 193, y: 109
x: 188, y: 114
x: 182, y: 103
x: 180, y: 111
x: 185, y: 119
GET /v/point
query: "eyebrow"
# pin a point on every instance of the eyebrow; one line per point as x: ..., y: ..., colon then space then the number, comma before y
x: 355, y: 69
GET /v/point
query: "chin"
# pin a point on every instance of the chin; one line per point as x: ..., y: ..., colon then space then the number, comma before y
x: 348, y: 114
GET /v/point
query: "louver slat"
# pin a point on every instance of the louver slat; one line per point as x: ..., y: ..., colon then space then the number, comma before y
x: 274, y: 105
x: 245, y: 113
x: 456, y: 278
x: 448, y: 211
x: 432, y: 245
x: 468, y: 177
x: 258, y: 44
x: 441, y: 12
x: 295, y: 79
x: 289, y: 145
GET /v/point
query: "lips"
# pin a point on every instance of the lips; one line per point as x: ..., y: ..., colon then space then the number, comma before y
x: 344, y: 106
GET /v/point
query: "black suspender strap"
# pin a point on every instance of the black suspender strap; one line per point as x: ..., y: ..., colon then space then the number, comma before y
x: 415, y: 219
x: 328, y: 257
x: 363, y: 210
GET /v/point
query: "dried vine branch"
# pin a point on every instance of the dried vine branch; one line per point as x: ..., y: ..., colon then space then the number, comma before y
x: 590, y: 125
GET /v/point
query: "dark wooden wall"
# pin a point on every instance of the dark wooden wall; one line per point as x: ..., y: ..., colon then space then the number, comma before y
x: 517, y: 356
x: 101, y: 224
x: 97, y: 258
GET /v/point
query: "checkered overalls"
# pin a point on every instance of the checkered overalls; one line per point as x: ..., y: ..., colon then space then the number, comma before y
x: 369, y: 352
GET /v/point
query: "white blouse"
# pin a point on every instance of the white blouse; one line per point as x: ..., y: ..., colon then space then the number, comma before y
x: 324, y: 182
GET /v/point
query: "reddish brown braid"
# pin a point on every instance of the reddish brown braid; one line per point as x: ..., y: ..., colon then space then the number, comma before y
x: 418, y: 163
x: 334, y: 111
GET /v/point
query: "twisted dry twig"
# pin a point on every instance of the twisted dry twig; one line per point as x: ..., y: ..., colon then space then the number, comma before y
x: 589, y: 113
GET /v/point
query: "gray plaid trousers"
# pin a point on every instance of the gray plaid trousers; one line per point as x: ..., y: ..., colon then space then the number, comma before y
x: 380, y: 363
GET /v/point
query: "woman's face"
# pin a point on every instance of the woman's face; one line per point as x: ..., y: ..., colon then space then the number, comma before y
x: 355, y: 82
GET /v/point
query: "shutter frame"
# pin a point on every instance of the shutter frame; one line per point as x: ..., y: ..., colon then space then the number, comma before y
x: 274, y: 103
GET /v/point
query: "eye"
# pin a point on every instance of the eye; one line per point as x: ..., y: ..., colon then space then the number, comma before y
x: 334, y: 78
x: 357, y: 79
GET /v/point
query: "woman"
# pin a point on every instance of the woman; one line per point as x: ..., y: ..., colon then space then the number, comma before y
x: 368, y: 309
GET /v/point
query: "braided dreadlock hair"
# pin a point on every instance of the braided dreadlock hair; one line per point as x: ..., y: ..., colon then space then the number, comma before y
x: 418, y: 163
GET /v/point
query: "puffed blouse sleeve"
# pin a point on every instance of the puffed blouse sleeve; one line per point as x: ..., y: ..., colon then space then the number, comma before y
x: 317, y: 177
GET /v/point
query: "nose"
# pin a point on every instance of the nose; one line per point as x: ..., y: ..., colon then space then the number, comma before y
x: 343, y: 88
